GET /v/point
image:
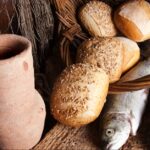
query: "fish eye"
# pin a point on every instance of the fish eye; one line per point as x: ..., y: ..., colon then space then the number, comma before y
x: 110, y: 132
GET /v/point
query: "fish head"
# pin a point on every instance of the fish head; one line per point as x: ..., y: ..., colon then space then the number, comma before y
x: 114, y: 131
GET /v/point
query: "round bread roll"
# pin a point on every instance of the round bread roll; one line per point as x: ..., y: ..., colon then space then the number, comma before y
x: 106, y: 53
x: 131, y: 53
x: 96, y: 17
x: 133, y: 19
x: 79, y: 94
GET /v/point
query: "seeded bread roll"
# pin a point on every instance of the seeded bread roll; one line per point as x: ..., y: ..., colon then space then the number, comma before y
x: 131, y: 53
x: 133, y: 19
x: 96, y: 18
x: 106, y: 53
x: 79, y: 94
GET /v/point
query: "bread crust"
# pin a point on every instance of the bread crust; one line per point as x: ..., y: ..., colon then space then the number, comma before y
x: 79, y: 94
x: 131, y: 53
x: 106, y: 53
x: 96, y: 17
x: 133, y: 20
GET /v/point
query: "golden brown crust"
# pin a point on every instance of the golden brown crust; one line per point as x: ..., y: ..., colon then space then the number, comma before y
x: 106, y: 53
x: 131, y: 53
x: 96, y: 18
x: 79, y: 94
x: 133, y: 20
x: 125, y: 26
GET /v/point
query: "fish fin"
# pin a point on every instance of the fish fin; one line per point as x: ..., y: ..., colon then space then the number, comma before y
x: 134, y: 124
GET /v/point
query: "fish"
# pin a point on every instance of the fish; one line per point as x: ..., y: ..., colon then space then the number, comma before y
x: 123, y: 112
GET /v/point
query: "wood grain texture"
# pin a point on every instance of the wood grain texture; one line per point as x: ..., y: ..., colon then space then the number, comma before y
x: 61, y: 137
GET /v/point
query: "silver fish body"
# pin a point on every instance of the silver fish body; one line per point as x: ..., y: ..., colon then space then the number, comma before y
x: 123, y: 112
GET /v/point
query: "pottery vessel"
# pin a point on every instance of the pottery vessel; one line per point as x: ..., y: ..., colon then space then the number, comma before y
x: 22, y: 110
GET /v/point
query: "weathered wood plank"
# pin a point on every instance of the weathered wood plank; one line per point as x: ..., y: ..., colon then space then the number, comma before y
x: 86, y: 138
x: 63, y: 137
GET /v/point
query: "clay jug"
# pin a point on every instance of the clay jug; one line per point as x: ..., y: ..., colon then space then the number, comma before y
x: 22, y: 110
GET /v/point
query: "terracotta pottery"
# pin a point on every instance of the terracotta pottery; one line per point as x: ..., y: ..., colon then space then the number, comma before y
x: 22, y: 110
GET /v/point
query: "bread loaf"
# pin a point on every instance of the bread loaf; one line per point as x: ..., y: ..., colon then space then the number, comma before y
x: 96, y: 17
x: 131, y: 53
x: 133, y: 20
x: 79, y: 94
x: 106, y: 53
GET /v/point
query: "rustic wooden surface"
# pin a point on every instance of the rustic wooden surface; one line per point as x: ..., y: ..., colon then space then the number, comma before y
x: 61, y: 137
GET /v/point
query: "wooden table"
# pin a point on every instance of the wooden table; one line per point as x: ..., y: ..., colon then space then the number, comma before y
x: 61, y: 137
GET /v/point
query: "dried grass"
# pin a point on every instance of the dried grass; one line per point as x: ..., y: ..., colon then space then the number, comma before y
x: 32, y: 19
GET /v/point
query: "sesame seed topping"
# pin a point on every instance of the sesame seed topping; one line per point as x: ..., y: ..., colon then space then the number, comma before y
x: 101, y: 14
